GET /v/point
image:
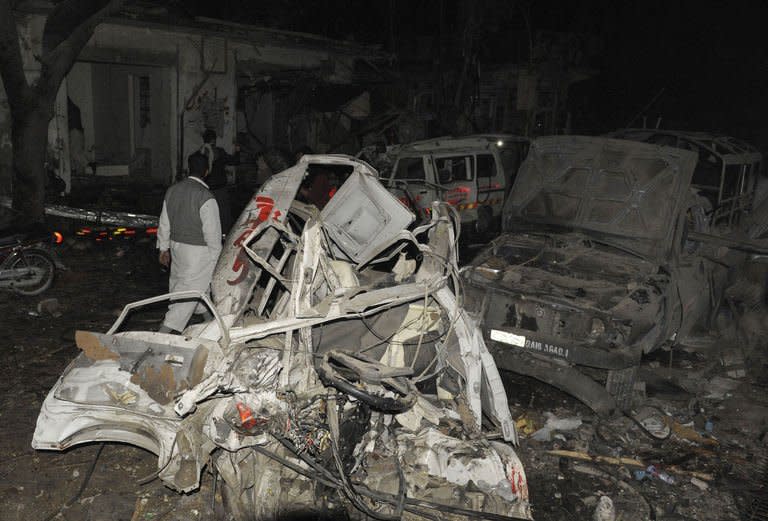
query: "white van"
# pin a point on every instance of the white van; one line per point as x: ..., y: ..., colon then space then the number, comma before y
x: 472, y: 173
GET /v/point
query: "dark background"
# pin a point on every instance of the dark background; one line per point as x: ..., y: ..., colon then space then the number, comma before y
x: 704, y: 63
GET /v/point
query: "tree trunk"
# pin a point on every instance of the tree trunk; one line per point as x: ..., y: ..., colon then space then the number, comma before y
x: 67, y: 29
x: 29, y: 138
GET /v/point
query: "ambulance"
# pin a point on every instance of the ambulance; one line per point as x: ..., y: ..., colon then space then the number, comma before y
x: 471, y: 173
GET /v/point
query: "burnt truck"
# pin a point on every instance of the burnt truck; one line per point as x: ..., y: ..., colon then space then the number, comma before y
x: 597, y: 265
x: 339, y: 374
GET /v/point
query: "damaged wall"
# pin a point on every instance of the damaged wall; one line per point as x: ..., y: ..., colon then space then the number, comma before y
x: 279, y: 89
x: 144, y: 92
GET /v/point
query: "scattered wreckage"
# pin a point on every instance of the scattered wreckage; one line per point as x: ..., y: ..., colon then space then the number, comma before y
x: 340, y: 371
x: 95, y: 217
x: 598, y: 264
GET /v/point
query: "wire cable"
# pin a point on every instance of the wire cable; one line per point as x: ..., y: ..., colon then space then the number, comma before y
x: 83, y: 485
x: 414, y: 506
x: 332, y: 413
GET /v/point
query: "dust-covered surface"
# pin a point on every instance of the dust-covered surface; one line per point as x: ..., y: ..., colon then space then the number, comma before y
x: 37, y: 346
x: 720, y: 422
x: 716, y: 455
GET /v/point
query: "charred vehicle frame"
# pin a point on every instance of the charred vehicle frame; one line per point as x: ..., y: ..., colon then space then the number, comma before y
x: 726, y: 172
x: 340, y: 371
x: 597, y: 265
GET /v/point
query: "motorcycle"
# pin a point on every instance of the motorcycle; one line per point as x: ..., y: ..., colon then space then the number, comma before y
x: 27, y: 266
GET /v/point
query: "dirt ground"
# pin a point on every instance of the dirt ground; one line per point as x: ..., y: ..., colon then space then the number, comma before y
x: 105, y: 482
x: 37, y: 348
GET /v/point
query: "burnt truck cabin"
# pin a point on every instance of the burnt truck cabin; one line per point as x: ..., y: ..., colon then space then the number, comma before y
x: 594, y: 268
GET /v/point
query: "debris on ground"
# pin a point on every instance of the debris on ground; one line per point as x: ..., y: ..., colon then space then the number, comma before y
x: 49, y: 306
x: 555, y: 424
x: 700, y: 446
x: 605, y: 511
x: 732, y: 485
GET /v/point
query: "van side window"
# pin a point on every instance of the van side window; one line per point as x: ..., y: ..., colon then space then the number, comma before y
x: 454, y: 168
x: 486, y: 166
x: 410, y: 168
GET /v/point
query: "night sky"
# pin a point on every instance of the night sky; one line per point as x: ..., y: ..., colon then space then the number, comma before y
x: 711, y: 58
x: 712, y: 61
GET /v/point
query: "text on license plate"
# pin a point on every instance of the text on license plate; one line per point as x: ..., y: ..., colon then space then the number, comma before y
x: 512, y: 339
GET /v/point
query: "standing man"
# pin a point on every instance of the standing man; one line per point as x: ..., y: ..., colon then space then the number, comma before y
x: 218, y: 158
x: 189, y: 239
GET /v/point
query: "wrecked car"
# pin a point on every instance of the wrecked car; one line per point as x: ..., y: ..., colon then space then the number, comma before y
x: 339, y: 373
x: 596, y: 267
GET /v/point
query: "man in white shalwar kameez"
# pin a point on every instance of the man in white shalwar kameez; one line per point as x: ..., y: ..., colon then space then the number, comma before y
x: 189, y: 239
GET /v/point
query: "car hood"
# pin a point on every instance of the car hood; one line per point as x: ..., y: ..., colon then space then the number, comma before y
x: 631, y: 193
x: 567, y: 268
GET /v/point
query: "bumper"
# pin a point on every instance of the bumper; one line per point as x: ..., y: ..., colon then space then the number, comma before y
x: 574, y: 353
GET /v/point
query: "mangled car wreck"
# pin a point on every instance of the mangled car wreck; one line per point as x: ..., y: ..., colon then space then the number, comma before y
x: 340, y: 371
x: 596, y: 266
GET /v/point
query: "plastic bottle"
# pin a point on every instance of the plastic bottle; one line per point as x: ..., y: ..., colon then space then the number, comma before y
x: 663, y: 476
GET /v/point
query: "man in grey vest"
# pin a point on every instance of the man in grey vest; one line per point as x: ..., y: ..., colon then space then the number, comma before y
x: 189, y: 239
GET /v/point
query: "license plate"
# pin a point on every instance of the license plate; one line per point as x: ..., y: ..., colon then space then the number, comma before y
x: 505, y: 337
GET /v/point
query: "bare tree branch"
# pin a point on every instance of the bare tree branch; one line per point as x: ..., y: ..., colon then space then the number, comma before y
x: 11, y: 64
x: 58, y: 62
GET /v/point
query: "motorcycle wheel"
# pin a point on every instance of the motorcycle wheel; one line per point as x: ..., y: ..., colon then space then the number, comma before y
x: 34, y: 259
